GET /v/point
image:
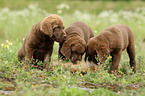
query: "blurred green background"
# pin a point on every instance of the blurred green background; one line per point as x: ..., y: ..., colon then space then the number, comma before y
x: 16, y: 20
x: 17, y: 17
x: 91, y: 6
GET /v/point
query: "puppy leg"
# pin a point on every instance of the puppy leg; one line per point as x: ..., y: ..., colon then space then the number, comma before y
x: 116, y: 56
x: 86, y: 55
x: 28, y: 56
x: 92, y: 59
x: 47, y: 58
x: 60, y: 55
x: 131, y: 53
x: 20, y: 54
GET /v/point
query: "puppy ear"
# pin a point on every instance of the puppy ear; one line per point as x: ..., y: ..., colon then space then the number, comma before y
x: 48, y: 23
x: 102, y: 52
x: 66, y: 50
x: 46, y: 26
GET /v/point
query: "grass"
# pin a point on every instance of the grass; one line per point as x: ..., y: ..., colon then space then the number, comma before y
x: 16, y: 22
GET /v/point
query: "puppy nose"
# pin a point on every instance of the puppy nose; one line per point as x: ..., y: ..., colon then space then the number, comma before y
x: 64, y: 36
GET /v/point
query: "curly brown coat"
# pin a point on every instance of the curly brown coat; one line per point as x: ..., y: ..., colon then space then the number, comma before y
x: 112, y: 41
x: 74, y: 46
x: 38, y: 44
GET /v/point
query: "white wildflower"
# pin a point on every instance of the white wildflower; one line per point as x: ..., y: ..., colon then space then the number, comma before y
x: 63, y: 6
x: 95, y: 31
x: 105, y: 14
x: 33, y: 6
x: 2, y: 45
x: 59, y: 11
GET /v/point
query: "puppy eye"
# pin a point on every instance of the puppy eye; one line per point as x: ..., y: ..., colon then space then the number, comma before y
x: 56, y: 28
x: 63, y: 27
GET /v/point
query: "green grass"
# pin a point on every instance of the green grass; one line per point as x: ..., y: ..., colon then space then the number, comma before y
x: 16, y: 21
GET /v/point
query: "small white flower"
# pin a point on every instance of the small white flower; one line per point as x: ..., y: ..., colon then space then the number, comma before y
x: 10, y: 43
x: 11, y: 50
x: 7, y: 41
x: 23, y: 39
x: 59, y: 11
x: 33, y: 6
x: 95, y: 31
x: 63, y: 6
x: 2, y: 45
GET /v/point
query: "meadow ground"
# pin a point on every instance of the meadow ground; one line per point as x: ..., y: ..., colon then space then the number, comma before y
x: 16, y: 20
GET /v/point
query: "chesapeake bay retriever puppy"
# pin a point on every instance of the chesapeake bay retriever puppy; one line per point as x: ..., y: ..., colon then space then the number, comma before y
x: 74, y: 46
x: 38, y: 44
x: 112, y: 41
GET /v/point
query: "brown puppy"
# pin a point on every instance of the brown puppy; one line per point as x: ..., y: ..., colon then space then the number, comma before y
x: 38, y: 44
x: 112, y: 41
x: 74, y: 46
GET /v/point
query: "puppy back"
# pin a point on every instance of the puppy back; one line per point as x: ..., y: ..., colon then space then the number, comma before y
x: 80, y: 29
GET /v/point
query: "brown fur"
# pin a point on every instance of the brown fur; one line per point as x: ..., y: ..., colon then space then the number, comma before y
x: 112, y: 41
x: 38, y: 44
x: 74, y: 46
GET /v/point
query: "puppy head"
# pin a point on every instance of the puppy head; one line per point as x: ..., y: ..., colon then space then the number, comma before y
x: 97, y: 50
x: 102, y: 52
x: 74, y: 48
x: 53, y: 27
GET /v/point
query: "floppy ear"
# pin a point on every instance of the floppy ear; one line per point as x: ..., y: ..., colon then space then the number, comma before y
x: 46, y: 26
x: 66, y: 50
x: 103, y: 52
